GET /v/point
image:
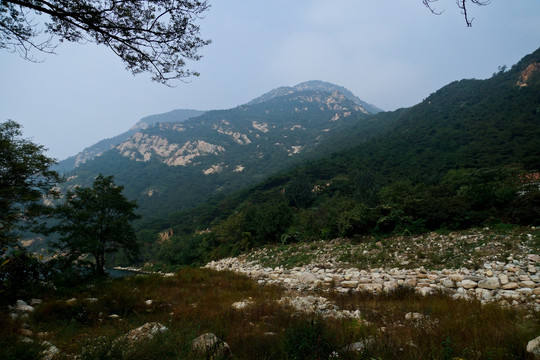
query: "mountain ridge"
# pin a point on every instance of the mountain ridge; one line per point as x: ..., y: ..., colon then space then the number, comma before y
x: 180, y: 164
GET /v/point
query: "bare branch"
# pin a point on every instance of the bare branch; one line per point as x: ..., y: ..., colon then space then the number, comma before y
x: 461, y: 4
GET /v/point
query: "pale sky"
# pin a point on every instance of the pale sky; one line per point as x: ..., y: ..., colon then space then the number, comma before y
x: 390, y: 53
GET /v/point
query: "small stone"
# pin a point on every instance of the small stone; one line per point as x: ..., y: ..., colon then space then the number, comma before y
x: 71, y: 301
x: 211, y: 347
x: 34, y: 302
x: 358, y: 346
x: 413, y: 316
x: 26, y: 332
x: 503, y: 278
x: 510, y: 286
x: 239, y: 305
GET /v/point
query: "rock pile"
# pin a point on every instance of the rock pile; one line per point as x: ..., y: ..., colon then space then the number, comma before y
x: 516, y: 282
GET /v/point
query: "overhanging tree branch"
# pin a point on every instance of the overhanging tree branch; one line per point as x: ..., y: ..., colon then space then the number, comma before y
x: 155, y: 36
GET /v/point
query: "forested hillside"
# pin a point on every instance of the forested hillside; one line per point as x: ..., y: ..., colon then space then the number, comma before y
x: 468, y: 155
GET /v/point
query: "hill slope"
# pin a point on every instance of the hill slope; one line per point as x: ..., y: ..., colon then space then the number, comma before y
x: 468, y: 155
x: 174, y: 166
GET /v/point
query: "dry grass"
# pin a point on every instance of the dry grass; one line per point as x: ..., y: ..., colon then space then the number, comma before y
x: 196, y: 301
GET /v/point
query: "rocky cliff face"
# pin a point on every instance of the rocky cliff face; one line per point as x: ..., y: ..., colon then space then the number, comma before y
x: 107, y: 144
x: 143, y: 147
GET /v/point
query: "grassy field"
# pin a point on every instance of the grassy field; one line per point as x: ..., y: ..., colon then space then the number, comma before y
x: 86, y: 323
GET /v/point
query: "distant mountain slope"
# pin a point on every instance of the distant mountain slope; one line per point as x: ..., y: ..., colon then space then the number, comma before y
x: 106, y: 144
x: 168, y: 167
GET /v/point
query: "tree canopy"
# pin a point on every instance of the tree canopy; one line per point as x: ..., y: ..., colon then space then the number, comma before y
x: 96, y: 221
x: 155, y: 36
x: 25, y: 176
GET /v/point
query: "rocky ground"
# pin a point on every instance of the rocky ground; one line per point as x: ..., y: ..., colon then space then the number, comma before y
x: 500, y: 265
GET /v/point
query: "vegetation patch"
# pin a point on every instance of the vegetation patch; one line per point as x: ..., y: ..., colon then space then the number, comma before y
x: 91, y: 321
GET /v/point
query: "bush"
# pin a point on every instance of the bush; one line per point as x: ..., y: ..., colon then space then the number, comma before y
x: 22, y: 276
x: 308, y: 340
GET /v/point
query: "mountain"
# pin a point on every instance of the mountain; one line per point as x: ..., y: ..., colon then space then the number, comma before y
x: 320, y: 86
x: 100, y: 147
x: 172, y: 166
x: 468, y: 155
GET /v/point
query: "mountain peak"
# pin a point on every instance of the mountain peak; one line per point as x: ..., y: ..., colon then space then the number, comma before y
x: 315, y: 85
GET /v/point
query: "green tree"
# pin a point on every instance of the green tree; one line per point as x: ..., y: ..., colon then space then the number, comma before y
x: 153, y: 36
x: 25, y: 177
x: 96, y: 221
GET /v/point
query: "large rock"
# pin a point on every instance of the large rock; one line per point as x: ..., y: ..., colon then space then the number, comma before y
x: 22, y: 307
x: 449, y: 283
x: 143, y: 333
x: 527, y: 284
x: 306, y: 278
x: 534, y: 347
x: 491, y: 283
x: 209, y: 346
x: 349, y: 284
x: 469, y: 284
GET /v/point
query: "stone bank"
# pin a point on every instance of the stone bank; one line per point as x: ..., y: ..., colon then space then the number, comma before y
x: 515, y: 283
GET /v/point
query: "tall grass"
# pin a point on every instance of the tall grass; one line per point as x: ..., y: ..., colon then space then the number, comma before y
x: 197, y: 301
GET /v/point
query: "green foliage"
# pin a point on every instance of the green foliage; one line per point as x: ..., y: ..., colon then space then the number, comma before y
x: 308, y: 340
x: 96, y: 221
x: 25, y: 177
x: 22, y: 276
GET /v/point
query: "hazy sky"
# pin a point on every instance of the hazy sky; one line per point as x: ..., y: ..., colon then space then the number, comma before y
x: 391, y: 53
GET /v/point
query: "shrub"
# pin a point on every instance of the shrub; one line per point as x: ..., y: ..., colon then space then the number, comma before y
x: 308, y: 340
